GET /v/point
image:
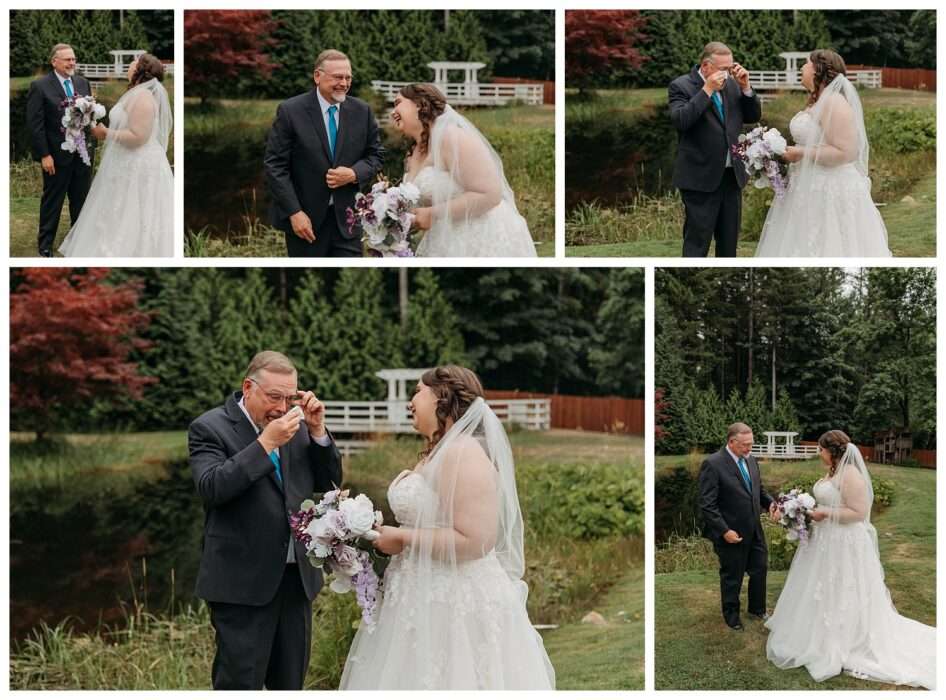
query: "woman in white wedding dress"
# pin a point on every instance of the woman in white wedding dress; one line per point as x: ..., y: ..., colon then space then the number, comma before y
x: 827, y: 210
x: 835, y: 614
x: 129, y: 211
x: 468, y: 209
x: 453, y: 614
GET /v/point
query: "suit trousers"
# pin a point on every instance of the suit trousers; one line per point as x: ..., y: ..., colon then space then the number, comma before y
x: 709, y: 215
x: 73, y: 179
x: 329, y: 241
x: 735, y: 560
x: 264, y: 645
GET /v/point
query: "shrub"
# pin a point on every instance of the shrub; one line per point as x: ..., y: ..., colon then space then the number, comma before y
x: 901, y: 130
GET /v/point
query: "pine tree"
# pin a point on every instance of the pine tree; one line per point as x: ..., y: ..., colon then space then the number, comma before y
x: 617, y: 355
x: 432, y: 336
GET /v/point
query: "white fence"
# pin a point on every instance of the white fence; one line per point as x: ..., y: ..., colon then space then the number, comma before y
x: 791, y: 80
x: 488, y: 94
x: 785, y: 451
x: 105, y: 71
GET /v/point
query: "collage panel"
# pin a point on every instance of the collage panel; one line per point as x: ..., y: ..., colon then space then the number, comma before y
x: 92, y: 134
x: 385, y: 133
x: 458, y: 454
x: 795, y: 483
x: 769, y: 133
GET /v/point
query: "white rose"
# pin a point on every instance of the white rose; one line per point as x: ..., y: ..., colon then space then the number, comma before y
x: 359, y: 514
x: 324, y: 528
x: 340, y: 584
x: 807, y: 501
x: 99, y: 111
x: 410, y: 192
x: 776, y: 141
x: 379, y: 206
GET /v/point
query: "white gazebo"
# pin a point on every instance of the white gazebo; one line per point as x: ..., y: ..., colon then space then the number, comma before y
x: 780, y: 444
x: 117, y: 69
x: 470, y: 91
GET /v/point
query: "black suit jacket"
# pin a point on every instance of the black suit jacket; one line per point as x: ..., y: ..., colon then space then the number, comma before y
x: 725, y: 502
x: 44, y: 116
x: 246, y: 524
x: 703, y: 139
x: 298, y: 156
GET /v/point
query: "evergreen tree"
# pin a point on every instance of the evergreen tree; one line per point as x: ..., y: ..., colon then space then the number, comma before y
x: 521, y: 43
x: 313, y: 333
x: 617, y: 355
x: 431, y: 335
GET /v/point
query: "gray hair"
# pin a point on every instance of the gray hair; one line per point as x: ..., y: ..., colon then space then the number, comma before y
x: 737, y: 429
x: 57, y: 48
x: 271, y: 361
x: 329, y: 55
x: 712, y: 49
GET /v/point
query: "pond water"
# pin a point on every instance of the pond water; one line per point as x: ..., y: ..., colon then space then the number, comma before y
x: 82, y: 553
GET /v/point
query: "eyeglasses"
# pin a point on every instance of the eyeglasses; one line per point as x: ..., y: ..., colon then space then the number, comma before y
x: 276, y: 397
x: 338, y: 77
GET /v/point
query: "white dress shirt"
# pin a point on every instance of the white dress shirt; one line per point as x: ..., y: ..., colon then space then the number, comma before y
x: 324, y: 105
x: 62, y: 81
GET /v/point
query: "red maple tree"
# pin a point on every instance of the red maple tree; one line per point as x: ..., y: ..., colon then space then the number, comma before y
x: 598, y: 41
x: 225, y: 45
x: 71, y: 334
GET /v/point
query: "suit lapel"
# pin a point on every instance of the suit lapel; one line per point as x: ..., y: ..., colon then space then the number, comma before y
x: 315, y: 111
x: 57, y: 86
x: 343, y: 122
x: 246, y: 432
x: 734, y: 471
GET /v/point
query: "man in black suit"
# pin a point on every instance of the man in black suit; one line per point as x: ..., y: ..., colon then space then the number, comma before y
x: 323, y: 148
x: 708, y: 108
x: 253, y: 467
x: 64, y: 173
x: 732, y: 500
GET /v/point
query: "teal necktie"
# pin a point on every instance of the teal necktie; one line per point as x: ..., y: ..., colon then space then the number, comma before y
x: 332, y: 129
x: 718, y: 102
x: 68, y: 85
x: 274, y: 458
x: 745, y: 474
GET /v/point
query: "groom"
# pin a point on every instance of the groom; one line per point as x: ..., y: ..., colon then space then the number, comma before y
x: 254, y: 462
x: 732, y: 500
x: 64, y: 173
x: 708, y: 108
x: 323, y: 148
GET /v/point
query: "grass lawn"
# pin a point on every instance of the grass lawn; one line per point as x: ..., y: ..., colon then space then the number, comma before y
x: 695, y: 650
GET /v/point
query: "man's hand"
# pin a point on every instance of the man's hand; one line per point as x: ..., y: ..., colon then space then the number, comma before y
x: 280, y: 431
x: 390, y: 540
x: 339, y: 177
x: 732, y: 537
x: 302, y: 226
x: 742, y: 77
x: 715, y: 82
x: 774, y: 512
x: 49, y: 165
x: 314, y: 414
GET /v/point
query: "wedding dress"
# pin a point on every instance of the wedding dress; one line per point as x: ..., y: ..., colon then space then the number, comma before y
x: 474, y: 210
x: 827, y: 210
x: 129, y: 211
x: 453, y: 613
x: 835, y: 614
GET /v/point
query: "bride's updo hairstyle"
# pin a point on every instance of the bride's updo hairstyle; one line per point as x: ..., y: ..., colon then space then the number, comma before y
x: 455, y: 388
x: 431, y: 103
x: 148, y: 67
x: 835, y: 442
x: 828, y: 65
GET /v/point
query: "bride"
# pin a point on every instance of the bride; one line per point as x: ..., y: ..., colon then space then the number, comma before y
x: 469, y: 209
x: 453, y: 615
x: 827, y: 211
x: 129, y: 211
x: 835, y: 614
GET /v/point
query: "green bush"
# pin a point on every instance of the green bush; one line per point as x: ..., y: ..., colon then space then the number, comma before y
x: 898, y: 130
x: 884, y: 489
x: 580, y: 501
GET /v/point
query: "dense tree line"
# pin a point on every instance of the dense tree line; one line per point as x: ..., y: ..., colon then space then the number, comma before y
x: 92, y: 33
x: 794, y: 349
x: 671, y: 40
x: 568, y: 330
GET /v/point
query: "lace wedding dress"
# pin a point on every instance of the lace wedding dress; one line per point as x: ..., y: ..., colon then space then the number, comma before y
x: 835, y: 614
x: 129, y: 211
x: 453, y: 613
x: 473, y: 208
x: 827, y: 210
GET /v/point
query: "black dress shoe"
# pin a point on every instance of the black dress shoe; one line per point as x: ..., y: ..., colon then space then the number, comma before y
x: 762, y: 616
x: 45, y: 253
x: 736, y: 625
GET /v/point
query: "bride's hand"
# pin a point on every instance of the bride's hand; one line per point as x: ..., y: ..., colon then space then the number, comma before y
x: 423, y: 218
x: 390, y: 540
x: 99, y: 132
x: 818, y: 515
x: 793, y: 154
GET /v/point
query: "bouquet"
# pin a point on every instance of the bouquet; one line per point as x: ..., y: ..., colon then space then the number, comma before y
x: 759, y: 150
x: 79, y: 113
x: 796, y: 507
x: 334, y: 532
x: 385, y: 217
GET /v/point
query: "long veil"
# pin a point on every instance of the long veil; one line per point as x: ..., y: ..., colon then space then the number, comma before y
x: 842, y: 136
x: 459, y: 148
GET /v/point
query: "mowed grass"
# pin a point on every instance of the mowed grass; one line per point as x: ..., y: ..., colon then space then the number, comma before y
x: 523, y: 136
x: 695, y: 650
x: 652, y: 226
x: 567, y: 578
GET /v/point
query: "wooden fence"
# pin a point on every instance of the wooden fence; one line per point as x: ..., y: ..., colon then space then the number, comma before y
x: 548, y: 87
x: 905, y: 78
x: 609, y: 414
x: 926, y: 458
